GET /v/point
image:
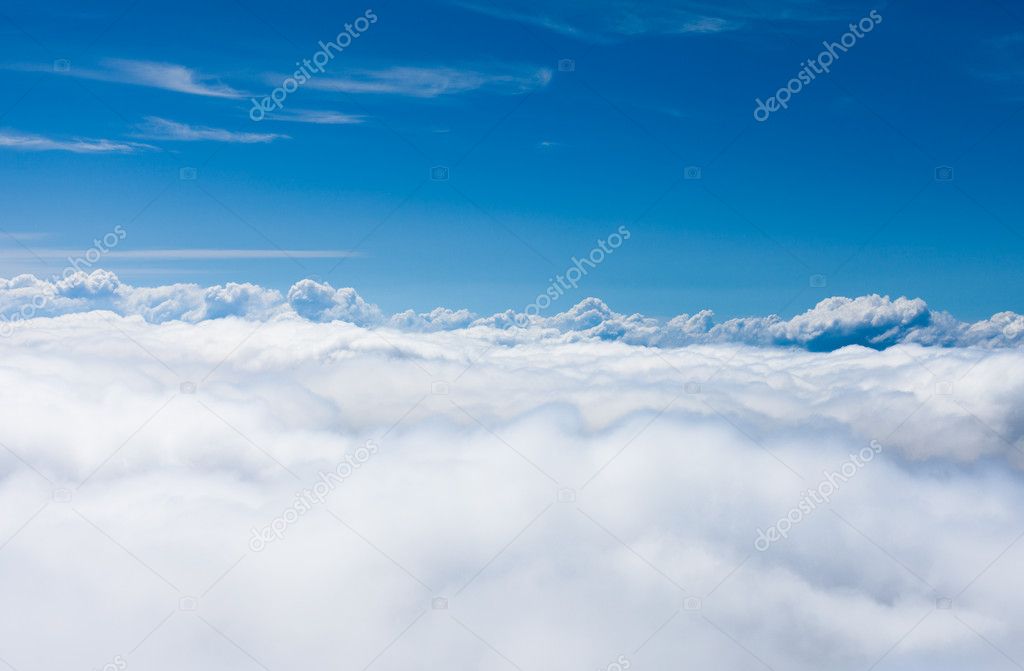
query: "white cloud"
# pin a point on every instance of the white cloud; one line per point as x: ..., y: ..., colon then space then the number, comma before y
x: 613, y: 19
x: 460, y: 501
x: 438, y: 319
x: 172, y: 77
x: 319, y: 117
x: 29, y: 142
x: 183, y: 254
x: 322, y: 302
x: 873, y: 321
x: 606, y: 20
x: 167, y: 76
x: 156, y: 128
x: 425, y: 82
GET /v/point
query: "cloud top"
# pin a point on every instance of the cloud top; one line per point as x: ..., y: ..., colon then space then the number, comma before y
x: 872, y: 321
x: 185, y: 487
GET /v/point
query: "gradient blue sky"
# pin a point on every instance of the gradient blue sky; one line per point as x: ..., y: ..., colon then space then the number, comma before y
x: 542, y: 162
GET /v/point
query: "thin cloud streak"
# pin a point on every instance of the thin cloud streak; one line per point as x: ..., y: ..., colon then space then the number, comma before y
x: 431, y: 82
x: 616, y: 21
x: 604, y: 21
x: 319, y: 117
x: 29, y: 142
x: 157, y: 128
x: 187, y: 254
x: 152, y: 74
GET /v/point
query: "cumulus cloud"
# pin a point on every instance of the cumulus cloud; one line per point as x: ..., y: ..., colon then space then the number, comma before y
x: 873, y: 321
x: 322, y: 302
x: 232, y: 494
x: 438, y: 319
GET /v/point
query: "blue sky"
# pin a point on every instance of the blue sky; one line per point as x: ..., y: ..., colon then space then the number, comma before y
x: 103, y: 106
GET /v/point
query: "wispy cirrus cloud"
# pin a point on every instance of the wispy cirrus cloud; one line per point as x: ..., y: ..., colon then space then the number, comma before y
x: 319, y: 117
x: 613, y: 20
x: 166, y: 76
x: 608, y: 20
x: 24, y: 235
x: 30, y: 142
x: 157, y: 128
x: 431, y: 82
x: 185, y: 254
x: 999, y: 60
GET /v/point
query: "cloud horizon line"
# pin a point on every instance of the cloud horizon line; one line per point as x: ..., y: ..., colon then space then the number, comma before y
x: 873, y: 321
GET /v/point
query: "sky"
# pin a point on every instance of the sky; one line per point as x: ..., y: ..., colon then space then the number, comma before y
x: 501, y: 335
x: 554, y: 123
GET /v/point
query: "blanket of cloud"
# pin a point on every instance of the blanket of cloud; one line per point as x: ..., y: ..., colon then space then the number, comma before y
x: 222, y: 494
x: 871, y: 321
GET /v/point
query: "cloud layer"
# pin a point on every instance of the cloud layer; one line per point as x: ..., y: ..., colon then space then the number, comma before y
x: 870, y: 321
x: 290, y: 493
